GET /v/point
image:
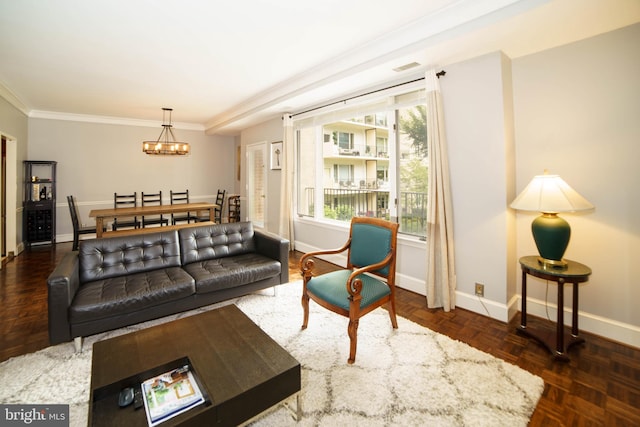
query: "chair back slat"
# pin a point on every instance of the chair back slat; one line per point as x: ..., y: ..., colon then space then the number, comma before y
x: 177, y: 198
x: 125, y: 201
x: 220, y: 203
x: 152, y: 199
x: 73, y: 210
x: 75, y: 220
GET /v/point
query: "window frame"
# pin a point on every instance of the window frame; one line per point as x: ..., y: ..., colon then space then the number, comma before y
x: 375, y: 110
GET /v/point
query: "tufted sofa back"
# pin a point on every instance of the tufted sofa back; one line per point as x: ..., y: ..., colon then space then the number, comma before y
x: 215, y: 241
x: 118, y: 256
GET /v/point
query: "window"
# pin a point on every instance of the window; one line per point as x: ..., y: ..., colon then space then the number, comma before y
x: 345, y: 140
x: 343, y: 175
x: 368, y: 165
x: 413, y: 165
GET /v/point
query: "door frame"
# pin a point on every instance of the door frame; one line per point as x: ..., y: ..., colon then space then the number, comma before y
x: 261, y: 146
x: 9, y: 189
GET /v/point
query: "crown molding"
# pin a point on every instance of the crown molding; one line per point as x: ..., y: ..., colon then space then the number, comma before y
x: 121, y: 121
x: 12, y: 99
x: 447, y: 22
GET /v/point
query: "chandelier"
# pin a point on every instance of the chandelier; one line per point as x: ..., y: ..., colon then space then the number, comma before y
x: 166, y: 143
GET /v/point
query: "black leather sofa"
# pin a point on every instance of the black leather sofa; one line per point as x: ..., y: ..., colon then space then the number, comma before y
x: 119, y: 281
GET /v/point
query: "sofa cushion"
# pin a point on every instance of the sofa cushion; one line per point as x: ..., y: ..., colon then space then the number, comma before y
x: 128, y: 293
x: 228, y: 272
x: 119, y: 256
x: 215, y: 241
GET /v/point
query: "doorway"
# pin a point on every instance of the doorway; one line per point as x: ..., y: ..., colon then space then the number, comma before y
x: 3, y: 199
x: 256, y: 183
x: 8, y: 197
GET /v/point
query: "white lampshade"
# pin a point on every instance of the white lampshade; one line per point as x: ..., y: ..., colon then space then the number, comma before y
x: 550, y: 194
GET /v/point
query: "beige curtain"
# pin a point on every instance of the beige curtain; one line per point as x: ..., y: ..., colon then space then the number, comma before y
x: 441, y: 275
x: 286, y: 182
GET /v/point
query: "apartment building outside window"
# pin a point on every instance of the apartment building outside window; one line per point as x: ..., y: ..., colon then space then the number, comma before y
x: 372, y: 165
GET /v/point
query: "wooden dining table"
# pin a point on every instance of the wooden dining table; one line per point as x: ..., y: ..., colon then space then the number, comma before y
x: 101, y: 214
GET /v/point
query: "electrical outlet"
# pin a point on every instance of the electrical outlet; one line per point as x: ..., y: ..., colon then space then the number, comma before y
x: 480, y: 289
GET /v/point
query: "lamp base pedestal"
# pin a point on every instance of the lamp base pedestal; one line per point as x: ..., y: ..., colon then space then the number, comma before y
x: 551, y: 234
x: 552, y: 263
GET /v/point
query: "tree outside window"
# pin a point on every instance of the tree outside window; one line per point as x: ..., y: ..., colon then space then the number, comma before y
x: 412, y: 209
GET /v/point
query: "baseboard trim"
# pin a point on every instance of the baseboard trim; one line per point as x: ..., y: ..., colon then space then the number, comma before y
x: 587, y: 322
x: 607, y: 328
x: 613, y: 330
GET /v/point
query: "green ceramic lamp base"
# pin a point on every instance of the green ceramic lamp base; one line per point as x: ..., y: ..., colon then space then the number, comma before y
x: 551, y: 234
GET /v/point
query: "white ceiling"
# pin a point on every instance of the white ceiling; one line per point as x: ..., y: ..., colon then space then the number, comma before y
x: 225, y: 65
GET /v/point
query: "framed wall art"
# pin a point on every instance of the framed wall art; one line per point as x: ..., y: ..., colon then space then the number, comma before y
x: 276, y: 155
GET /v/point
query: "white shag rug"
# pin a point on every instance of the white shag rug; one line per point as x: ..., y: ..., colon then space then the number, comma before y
x: 405, y: 377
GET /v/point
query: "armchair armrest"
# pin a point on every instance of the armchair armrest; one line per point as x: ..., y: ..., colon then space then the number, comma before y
x: 274, y: 247
x: 63, y: 283
x: 307, y: 264
x: 354, y: 285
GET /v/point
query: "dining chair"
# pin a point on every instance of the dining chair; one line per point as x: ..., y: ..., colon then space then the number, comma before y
x: 220, y: 203
x: 178, y: 197
x: 75, y: 221
x: 217, y: 211
x: 125, y: 201
x: 234, y: 208
x: 154, y: 199
x: 366, y: 283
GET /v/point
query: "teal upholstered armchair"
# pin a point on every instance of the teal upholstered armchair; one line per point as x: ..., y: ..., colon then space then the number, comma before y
x: 367, y: 282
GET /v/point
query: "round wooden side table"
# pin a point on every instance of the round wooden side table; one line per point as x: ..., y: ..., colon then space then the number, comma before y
x: 574, y: 273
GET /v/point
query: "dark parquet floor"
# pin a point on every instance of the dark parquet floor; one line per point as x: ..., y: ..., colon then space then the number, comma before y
x: 600, y: 386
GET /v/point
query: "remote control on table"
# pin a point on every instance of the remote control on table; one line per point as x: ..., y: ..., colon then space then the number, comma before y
x: 137, y: 398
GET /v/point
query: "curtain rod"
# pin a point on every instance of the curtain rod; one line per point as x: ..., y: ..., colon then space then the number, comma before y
x: 438, y: 74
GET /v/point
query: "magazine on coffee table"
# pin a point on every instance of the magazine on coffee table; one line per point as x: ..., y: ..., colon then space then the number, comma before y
x: 170, y: 394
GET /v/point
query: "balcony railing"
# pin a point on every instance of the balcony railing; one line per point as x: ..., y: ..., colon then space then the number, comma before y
x: 358, y: 150
x: 413, y: 213
x: 342, y: 204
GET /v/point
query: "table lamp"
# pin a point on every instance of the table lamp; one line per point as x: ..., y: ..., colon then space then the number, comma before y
x: 550, y: 194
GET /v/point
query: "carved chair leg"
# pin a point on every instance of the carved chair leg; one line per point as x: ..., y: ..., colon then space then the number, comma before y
x: 392, y: 314
x: 353, y: 338
x: 305, y: 271
x: 305, y: 308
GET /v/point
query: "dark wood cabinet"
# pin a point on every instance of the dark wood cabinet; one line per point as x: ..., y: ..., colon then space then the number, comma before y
x: 39, y: 202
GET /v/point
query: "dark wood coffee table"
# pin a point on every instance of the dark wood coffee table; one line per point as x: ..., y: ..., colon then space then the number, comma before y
x: 242, y: 370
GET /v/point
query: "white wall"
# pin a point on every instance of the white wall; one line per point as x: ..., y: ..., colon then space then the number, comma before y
x: 578, y: 114
x: 266, y: 132
x: 95, y: 160
x: 573, y: 110
x: 477, y: 110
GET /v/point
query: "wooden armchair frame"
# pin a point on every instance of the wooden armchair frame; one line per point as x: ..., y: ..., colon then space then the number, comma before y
x: 384, y: 269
